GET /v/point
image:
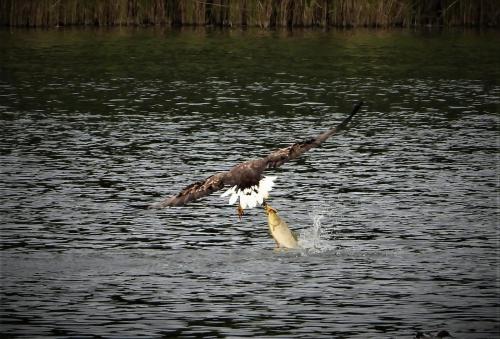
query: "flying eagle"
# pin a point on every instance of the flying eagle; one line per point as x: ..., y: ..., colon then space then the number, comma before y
x: 247, y: 184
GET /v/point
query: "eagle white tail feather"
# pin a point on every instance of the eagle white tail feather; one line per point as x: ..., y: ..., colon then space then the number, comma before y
x: 253, y: 196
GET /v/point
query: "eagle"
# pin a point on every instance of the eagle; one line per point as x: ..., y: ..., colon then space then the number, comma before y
x: 247, y: 184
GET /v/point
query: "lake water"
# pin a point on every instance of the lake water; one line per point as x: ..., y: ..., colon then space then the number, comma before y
x: 400, y: 213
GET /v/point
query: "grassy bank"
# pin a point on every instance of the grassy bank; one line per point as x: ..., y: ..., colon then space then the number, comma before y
x: 261, y: 13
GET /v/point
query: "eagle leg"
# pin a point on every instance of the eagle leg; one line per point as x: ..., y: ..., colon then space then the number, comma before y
x: 240, y: 211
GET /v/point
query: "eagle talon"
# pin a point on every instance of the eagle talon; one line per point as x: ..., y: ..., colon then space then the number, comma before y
x: 240, y: 211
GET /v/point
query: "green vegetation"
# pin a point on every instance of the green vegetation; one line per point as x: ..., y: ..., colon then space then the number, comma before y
x: 261, y: 13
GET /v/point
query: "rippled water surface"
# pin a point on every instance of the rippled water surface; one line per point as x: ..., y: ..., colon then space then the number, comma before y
x: 96, y: 125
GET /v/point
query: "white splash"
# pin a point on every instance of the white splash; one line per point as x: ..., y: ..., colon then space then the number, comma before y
x: 252, y: 196
x: 314, y: 238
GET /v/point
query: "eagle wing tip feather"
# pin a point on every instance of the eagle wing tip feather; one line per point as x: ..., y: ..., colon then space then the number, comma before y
x: 193, y: 192
x: 154, y: 206
x: 169, y: 202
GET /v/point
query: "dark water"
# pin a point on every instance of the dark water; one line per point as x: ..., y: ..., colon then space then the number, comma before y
x: 98, y: 124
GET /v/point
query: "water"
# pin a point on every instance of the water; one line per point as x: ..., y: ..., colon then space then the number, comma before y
x: 98, y: 124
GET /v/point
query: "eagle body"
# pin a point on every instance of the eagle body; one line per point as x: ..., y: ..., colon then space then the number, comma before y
x: 246, y: 174
x: 247, y: 183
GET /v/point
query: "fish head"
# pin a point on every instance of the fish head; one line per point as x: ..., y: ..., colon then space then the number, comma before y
x: 269, y: 209
x: 272, y: 215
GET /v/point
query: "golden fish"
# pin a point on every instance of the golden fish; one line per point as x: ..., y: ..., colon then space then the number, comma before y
x: 280, y: 231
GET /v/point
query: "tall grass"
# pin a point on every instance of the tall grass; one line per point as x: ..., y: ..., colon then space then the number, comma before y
x: 261, y: 13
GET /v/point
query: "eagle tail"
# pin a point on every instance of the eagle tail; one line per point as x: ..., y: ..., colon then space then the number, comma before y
x: 250, y: 197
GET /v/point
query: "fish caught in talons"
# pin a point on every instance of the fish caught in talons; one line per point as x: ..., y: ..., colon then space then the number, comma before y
x: 283, y: 236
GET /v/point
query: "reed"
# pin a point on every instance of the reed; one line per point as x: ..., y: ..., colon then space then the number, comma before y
x: 261, y: 13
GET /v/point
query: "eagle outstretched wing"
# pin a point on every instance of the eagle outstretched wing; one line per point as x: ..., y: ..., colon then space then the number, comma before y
x: 253, y: 168
x: 194, y: 191
x: 279, y: 157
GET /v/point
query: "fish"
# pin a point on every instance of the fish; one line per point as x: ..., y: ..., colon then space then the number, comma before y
x: 283, y: 236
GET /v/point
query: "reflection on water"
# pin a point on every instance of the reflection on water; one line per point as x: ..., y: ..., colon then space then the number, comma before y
x: 401, y: 208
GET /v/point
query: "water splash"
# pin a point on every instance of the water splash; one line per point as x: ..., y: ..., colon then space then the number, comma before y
x: 315, y: 238
x: 325, y: 216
